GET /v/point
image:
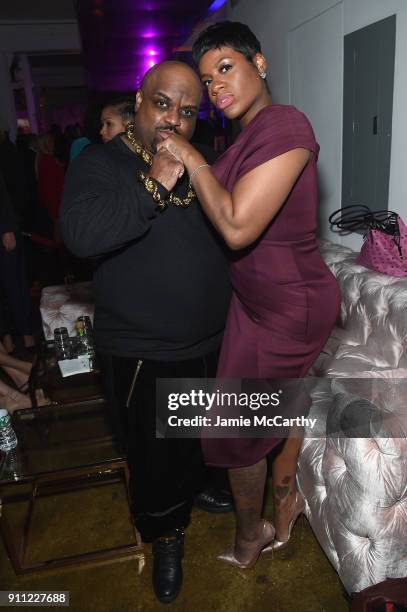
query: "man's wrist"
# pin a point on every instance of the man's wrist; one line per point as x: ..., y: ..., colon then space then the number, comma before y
x: 162, y: 190
x: 155, y: 189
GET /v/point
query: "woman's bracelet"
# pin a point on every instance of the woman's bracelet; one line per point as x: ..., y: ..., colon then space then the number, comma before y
x: 196, y: 170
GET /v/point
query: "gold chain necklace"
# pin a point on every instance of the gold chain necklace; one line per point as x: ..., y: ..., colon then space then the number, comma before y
x: 147, y: 157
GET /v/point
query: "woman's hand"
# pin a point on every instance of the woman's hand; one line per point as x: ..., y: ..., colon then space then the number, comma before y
x: 178, y: 146
x: 9, y: 241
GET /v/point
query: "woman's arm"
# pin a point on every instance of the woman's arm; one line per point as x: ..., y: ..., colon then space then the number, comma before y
x: 241, y: 216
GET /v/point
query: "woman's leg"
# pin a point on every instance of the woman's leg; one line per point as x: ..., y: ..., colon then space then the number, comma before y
x: 17, y: 369
x: 14, y: 400
x: 8, y: 343
x: 284, y: 471
x: 247, y: 486
x: 28, y: 340
x: 13, y: 362
x: 19, y: 378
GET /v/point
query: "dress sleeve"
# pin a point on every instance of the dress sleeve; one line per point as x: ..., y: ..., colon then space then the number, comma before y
x: 277, y: 131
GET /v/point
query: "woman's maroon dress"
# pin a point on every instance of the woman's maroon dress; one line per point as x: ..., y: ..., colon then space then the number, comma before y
x: 285, y: 300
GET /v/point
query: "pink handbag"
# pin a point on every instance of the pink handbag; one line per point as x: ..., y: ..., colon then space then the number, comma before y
x: 385, y: 242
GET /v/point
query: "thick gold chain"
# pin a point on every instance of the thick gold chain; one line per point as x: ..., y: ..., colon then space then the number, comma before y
x: 147, y: 157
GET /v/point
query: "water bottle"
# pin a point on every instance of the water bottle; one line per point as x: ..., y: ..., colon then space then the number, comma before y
x: 12, y: 468
x: 8, y: 439
x: 62, y: 343
x: 86, y: 342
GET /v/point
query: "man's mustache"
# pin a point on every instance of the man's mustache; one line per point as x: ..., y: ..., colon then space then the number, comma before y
x: 167, y: 129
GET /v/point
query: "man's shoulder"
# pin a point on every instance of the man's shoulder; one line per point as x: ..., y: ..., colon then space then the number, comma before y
x: 95, y: 154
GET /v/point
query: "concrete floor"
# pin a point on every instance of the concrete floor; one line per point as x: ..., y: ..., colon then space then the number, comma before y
x: 297, y: 578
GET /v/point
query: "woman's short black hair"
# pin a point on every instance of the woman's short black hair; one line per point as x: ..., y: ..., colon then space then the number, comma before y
x: 232, y: 34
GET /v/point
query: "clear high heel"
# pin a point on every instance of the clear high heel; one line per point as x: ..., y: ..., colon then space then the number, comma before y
x: 298, y: 509
x: 266, y: 538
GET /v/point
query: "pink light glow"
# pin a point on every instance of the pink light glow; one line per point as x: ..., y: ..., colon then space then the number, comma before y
x: 151, y: 52
x: 151, y: 63
x: 148, y: 33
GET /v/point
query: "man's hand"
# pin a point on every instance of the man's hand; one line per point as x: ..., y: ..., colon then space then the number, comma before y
x: 9, y: 241
x: 166, y: 169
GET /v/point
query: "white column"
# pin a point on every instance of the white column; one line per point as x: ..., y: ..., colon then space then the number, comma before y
x: 29, y: 93
x: 7, y: 103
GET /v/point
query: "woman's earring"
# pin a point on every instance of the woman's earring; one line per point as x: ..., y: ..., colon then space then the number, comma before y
x: 262, y: 74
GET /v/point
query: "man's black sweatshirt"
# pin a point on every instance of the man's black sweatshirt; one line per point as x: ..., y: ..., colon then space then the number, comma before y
x: 161, y: 285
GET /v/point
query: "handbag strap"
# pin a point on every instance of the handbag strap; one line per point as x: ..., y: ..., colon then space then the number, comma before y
x: 359, y: 216
x: 351, y: 218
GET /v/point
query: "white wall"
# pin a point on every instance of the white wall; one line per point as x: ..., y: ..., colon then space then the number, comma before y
x: 303, y: 42
x: 30, y: 36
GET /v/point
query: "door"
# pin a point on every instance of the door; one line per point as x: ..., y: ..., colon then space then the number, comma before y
x: 367, y: 114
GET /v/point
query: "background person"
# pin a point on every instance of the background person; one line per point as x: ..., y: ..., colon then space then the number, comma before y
x: 90, y: 132
x: 15, y: 301
x: 115, y: 118
x: 50, y: 178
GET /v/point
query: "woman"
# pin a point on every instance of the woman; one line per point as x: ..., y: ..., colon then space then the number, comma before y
x: 50, y: 173
x: 50, y: 179
x: 115, y: 118
x: 261, y: 195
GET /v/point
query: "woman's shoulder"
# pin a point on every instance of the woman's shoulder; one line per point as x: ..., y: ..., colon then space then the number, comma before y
x: 280, y: 114
x: 281, y: 122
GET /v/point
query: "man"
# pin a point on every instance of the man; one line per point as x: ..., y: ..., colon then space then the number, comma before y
x: 162, y: 293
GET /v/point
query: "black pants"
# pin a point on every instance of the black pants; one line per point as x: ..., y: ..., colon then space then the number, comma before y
x: 15, y: 300
x: 165, y: 474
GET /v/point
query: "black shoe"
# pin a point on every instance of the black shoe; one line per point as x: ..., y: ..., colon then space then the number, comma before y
x: 168, y: 551
x: 214, y: 500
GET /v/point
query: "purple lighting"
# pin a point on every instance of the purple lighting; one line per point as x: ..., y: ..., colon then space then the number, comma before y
x: 148, y: 32
x: 216, y: 4
x: 127, y: 37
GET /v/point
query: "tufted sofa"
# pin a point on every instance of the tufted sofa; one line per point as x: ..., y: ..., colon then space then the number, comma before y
x: 356, y: 488
x: 61, y: 305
